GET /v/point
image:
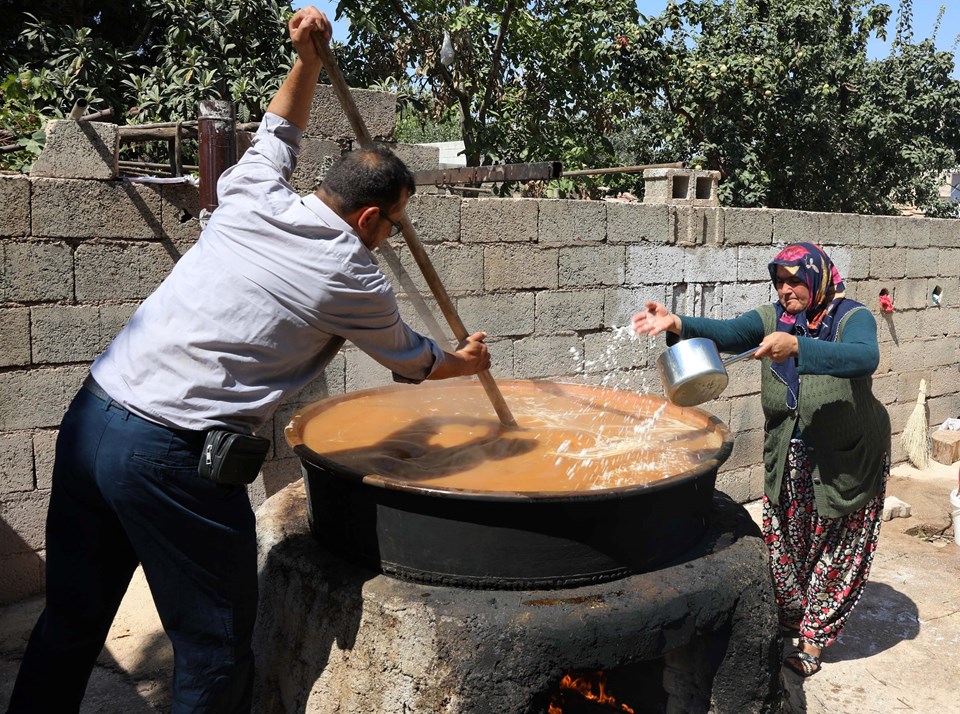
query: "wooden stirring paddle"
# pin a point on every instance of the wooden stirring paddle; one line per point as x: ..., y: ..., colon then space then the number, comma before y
x: 409, y: 234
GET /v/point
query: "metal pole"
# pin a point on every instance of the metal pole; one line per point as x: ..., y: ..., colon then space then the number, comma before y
x: 217, y: 149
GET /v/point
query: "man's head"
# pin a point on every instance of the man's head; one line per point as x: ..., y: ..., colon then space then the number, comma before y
x: 369, y: 189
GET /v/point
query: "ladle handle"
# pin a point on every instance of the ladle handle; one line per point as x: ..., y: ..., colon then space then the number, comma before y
x: 742, y: 355
x: 409, y: 234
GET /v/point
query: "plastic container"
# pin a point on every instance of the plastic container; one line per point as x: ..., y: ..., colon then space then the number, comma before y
x: 955, y: 503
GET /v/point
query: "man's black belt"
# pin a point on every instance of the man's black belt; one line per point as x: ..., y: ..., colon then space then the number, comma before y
x: 90, y: 384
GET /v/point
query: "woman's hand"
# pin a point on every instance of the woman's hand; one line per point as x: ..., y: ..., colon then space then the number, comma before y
x: 656, y: 319
x: 778, y: 346
x: 302, y: 25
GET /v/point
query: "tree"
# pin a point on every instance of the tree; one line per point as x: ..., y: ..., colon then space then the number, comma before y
x: 781, y: 99
x: 148, y: 60
x: 527, y: 81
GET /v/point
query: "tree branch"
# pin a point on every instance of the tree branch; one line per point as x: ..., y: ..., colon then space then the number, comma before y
x: 495, y: 60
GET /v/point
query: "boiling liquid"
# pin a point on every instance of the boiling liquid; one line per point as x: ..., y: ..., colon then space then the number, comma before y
x: 570, y: 437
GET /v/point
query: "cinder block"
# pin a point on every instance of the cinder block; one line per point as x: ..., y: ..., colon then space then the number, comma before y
x: 635, y: 222
x: 64, y: 333
x: 16, y: 462
x: 565, y: 221
x: 363, y: 372
x: 750, y: 264
x: 459, y: 267
x: 852, y: 262
x: 878, y: 231
x: 328, y: 120
x: 747, y: 450
x: 922, y: 262
x: 37, y: 398
x: 180, y: 211
x: 331, y: 382
x: 913, y: 232
x: 793, y: 226
x: 943, y: 408
x: 746, y: 414
x: 886, y: 263
x: 422, y: 312
x: 939, y: 322
x: 708, y: 265
x: 738, y: 298
x: 748, y: 226
x: 67, y: 208
x: 14, y: 337
x: 592, y: 266
x: 949, y: 290
x: 681, y: 187
x: 516, y: 267
x: 697, y: 226
x: 569, y: 310
x: 840, y: 229
x: 24, y: 516
x: 886, y: 387
x: 500, y: 315
x: 35, y: 271
x: 417, y: 157
x: 79, y: 150
x: 547, y: 356
x: 44, y: 450
x: 435, y: 218
x: 650, y: 263
x: 613, y: 350
x: 743, y: 485
x: 944, y: 232
x: 911, y: 294
x: 948, y: 261
x: 14, y: 206
x: 620, y: 305
x: 498, y: 219
x: 940, y: 353
x: 21, y: 576
x: 125, y: 271
x: 744, y: 378
x: 501, y: 358
x: 316, y: 158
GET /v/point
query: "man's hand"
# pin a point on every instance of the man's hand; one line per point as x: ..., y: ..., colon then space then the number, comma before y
x: 778, y: 346
x: 472, y: 356
x: 304, y: 23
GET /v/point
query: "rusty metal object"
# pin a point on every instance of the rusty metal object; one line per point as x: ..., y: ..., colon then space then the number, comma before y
x: 217, y: 147
x: 497, y: 173
x: 624, y: 169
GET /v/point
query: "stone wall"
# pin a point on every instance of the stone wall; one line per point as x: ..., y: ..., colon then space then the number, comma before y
x: 549, y: 280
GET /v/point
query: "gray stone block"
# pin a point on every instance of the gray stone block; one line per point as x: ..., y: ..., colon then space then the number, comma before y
x: 423, y: 314
x: 567, y: 221
x: 14, y: 337
x: 35, y: 271
x: 697, y: 226
x: 914, y: 232
x: 944, y: 232
x: 592, y: 266
x: 16, y: 462
x: 24, y: 516
x: 435, y: 218
x: 363, y: 372
x: 634, y: 222
x: 649, y: 263
x: 840, y: 229
x: 748, y: 226
x: 65, y: 208
x: 569, y: 310
x: 738, y: 298
x: 517, y: 267
x: 64, y: 333
x: 180, y: 211
x: 316, y: 158
x: 923, y: 262
x: 327, y: 119
x: 948, y: 261
x: 707, y: 265
x: 417, y: 157
x: 620, y: 305
x: 911, y: 294
x: 37, y: 398
x: 746, y: 414
x: 501, y: 358
x: 501, y: 315
x: 752, y: 262
x: 886, y: 263
x: 498, y: 219
x: 793, y: 226
x: 613, y: 351
x: 747, y: 449
x: 681, y: 187
x: 125, y: 271
x: 743, y: 484
x: 21, y: 576
x: 459, y: 267
x: 853, y: 262
x: 546, y: 356
x: 79, y: 149
x: 44, y: 449
x: 14, y: 206
x: 879, y: 231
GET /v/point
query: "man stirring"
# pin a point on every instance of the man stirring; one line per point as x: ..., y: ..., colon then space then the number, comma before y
x: 252, y: 313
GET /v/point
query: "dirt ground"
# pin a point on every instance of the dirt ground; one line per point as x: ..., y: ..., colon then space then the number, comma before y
x: 900, y: 651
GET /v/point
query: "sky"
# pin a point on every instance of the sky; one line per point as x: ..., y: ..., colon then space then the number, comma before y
x: 924, y: 17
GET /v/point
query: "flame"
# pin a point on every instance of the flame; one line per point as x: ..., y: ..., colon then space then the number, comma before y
x: 592, y: 686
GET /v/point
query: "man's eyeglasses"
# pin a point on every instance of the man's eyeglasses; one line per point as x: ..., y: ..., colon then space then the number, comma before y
x: 395, y: 227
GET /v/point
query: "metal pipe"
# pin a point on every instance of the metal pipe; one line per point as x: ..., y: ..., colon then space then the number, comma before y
x: 79, y: 109
x: 217, y: 148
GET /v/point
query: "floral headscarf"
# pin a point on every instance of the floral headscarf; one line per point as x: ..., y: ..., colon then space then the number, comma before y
x: 810, y: 264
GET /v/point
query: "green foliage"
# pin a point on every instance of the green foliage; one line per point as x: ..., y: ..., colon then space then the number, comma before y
x: 148, y: 60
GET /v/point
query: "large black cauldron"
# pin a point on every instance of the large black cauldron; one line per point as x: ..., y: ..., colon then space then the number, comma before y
x: 507, y: 540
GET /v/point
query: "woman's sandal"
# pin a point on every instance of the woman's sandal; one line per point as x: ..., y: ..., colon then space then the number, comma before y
x: 806, y: 665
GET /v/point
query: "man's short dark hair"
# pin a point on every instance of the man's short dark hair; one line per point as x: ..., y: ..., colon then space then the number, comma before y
x: 368, y: 177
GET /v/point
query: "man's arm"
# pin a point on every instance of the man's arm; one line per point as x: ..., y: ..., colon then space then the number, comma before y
x: 293, y: 100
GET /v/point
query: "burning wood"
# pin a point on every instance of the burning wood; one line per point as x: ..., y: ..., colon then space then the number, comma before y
x: 585, y: 693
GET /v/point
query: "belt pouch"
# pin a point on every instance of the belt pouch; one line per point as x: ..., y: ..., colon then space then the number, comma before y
x: 231, y: 458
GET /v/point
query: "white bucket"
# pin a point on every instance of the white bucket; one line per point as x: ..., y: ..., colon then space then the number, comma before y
x: 955, y: 502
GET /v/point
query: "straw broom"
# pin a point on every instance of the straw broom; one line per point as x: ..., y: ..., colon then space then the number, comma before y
x: 915, y: 440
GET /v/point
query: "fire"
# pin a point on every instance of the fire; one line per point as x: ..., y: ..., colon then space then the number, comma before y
x: 591, y: 686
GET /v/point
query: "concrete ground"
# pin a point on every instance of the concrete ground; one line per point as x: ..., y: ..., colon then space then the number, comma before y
x: 900, y: 651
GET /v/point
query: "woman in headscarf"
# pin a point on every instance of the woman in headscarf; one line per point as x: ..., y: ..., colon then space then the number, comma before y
x: 826, y: 439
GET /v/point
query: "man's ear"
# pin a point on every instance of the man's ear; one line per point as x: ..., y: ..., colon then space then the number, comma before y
x: 366, y: 217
